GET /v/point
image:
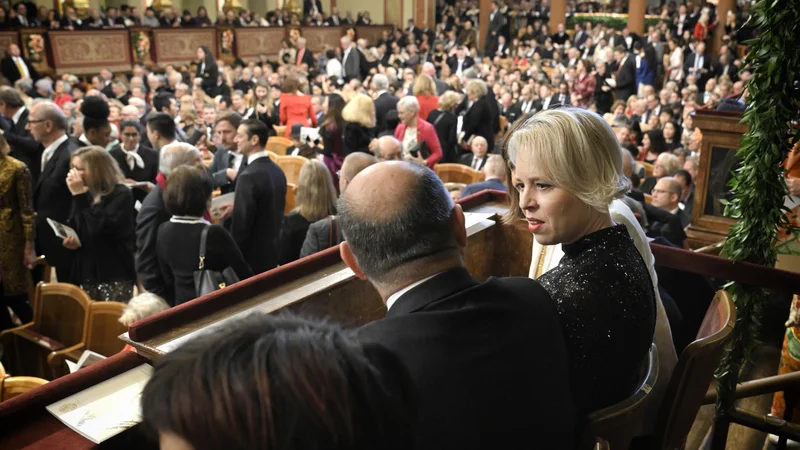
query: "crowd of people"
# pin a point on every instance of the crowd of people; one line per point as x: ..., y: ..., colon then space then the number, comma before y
x: 568, y: 123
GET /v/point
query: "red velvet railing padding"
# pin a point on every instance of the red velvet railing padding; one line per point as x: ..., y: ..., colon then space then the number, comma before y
x: 242, y: 291
x: 479, y: 198
x: 726, y: 269
x: 25, y: 423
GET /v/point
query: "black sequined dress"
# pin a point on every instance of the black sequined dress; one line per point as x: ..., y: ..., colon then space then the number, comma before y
x: 605, y: 298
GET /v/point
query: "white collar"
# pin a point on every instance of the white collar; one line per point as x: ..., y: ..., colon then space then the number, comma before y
x: 50, y: 149
x: 168, y: 144
x: 381, y: 93
x: 676, y: 210
x: 85, y: 140
x: 393, y: 298
x: 257, y: 155
x: 17, y: 114
x: 188, y: 220
x: 135, y: 149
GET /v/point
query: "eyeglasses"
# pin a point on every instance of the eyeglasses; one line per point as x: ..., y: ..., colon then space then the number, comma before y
x: 36, y: 121
x: 130, y: 134
x: 661, y: 191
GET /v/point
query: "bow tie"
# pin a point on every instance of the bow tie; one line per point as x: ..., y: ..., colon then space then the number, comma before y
x: 133, y: 159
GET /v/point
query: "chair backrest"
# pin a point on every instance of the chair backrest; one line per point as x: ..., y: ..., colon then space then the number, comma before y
x: 291, y: 166
x: 104, y: 328
x: 62, y: 312
x: 46, y: 272
x: 648, y: 169
x: 273, y: 156
x: 458, y: 173
x: 3, y: 373
x: 648, y: 199
x: 617, y: 424
x: 13, y: 386
x: 278, y: 144
x: 291, y: 197
x: 280, y: 130
x: 693, y: 373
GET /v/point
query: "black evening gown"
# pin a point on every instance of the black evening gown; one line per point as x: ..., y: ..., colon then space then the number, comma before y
x: 605, y: 299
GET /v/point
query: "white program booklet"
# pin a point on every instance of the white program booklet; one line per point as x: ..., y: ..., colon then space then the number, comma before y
x: 471, y: 219
x: 106, y: 409
x: 62, y: 230
x: 87, y: 359
x: 218, y: 203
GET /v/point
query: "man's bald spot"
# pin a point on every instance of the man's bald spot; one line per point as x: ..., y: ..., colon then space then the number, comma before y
x: 672, y: 184
x: 382, y: 190
x: 354, y: 163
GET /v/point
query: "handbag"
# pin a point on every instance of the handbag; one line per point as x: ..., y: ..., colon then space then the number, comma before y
x: 420, y: 148
x: 207, y: 281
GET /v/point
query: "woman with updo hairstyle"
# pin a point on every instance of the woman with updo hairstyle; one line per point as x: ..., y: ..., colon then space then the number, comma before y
x: 280, y: 383
x: 566, y: 168
x: 103, y: 218
x: 96, y: 127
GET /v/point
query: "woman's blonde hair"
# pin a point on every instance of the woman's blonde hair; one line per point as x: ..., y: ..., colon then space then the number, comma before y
x: 142, y: 306
x: 477, y: 88
x: 424, y: 86
x: 361, y: 110
x: 104, y: 173
x: 575, y: 149
x: 316, y: 196
x: 670, y: 162
x: 448, y: 101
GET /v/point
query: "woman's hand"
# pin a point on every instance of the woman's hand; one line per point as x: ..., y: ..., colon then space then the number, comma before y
x: 75, y: 183
x: 29, y: 256
x: 418, y: 159
x: 70, y: 243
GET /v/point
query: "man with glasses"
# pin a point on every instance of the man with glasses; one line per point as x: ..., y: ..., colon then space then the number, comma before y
x: 664, y: 216
x: 227, y: 162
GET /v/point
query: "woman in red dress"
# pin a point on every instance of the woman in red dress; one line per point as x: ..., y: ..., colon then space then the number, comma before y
x: 584, y: 86
x: 295, y: 106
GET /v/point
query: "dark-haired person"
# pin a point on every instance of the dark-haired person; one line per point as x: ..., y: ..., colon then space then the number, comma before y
x: 102, y: 216
x: 227, y: 162
x: 166, y: 103
x: 330, y: 130
x: 489, y: 359
x: 653, y: 144
x: 14, y: 123
x: 96, y: 128
x: 186, y: 198
x: 260, y: 199
x: 160, y: 130
x: 207, y: 70
x: 301, y: 385
x: 137, y: 162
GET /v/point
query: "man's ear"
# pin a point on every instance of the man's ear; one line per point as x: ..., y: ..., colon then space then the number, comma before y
x: 458, y: 222
x: 350, y: 259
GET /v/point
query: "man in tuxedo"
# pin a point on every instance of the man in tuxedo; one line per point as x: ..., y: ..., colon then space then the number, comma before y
x: 561, y: 36
x: 525, y: 104
x: 160, y: 130
x: 334, y: 20
x: 667, y: 195
x: 479, y: 156
x: 166, y: 103
x: 545, y: 98
x: 354, y: 63
x: 260, y: 199
x: 311, y: 8
x: 579, y: 39
x: 14, y: 124
x: 21, y: 21
x: 414, y: 31
x: 561, y: 98
x: 460, y: 61
x: 496, y: 23
x: 626, y: 74
x: 326, y: 233
x: 15, y: 67
x: 304, y: 55
x: 724, y: 66
x: 494, y: 171
x: 681, y: 22
x: 699, y: 65
x: 507, y: 107
x: 629, y: 38
x: 488, y: 359
x: 385, y: 101
x: 687, y: 194
x: 227, y: 161
x: 153, y: 213
x: 51, y: 197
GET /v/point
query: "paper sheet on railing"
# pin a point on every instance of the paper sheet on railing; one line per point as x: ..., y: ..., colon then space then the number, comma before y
x: 106, y: 409
x: 471, y: 219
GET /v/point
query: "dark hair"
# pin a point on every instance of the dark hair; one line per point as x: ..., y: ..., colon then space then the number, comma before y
x: 290, y: 85
x: 162, y: 100
x: 281, y: 382
x: 685, y: 174
x: 162, y: 123
x: 334, y: 115
x: 187, y: 191
x: 232, y: 118
x: 209, y: 57
x: 130, y: 123
x: 256, y: 127
x: 10, y: 97
x: 657, y: 143
x: 392, y: 120
x: 420, y: 228
x: 95, y: 113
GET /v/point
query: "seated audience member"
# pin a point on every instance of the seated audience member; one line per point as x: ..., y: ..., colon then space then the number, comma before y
x: 139, y: 164
x: 153, y: 213
x: 495, y: 172
x: 653, y: 144
x: 96, y: 127
x: 102, y: 217
x: 186, y: 197
x: 16, y: 67
x: 269, y: 382
x: 666, y: 165
x: 404, y: 234
x: 388, y: 148
x: 477, y: 159
x: 687, y: 196
x: 260, y: 199
x: 416, y: 134
x: 298, y: 147
x: 667, y: 195
x: 316, y: 199
x: 359, y: 124
x: 326, y: 233
x: 142, y: 306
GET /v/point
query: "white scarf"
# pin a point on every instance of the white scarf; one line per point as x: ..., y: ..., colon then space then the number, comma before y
x: 133, y: 159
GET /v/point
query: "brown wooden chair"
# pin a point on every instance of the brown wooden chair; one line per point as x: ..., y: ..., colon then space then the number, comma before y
x: 693, y: 374
x: 458, y: 173
x: 280, y: 130
x: 13, y: 386
x: 291, y: 197
x: 273, y: 156
x: 278, y: 144
x: 291, y: 166
x: 648, y: 169
x: 46, y: 272
x: 104, y: 330
x: 60, y: 324
x: 3, y: 373
x: 617, y: 424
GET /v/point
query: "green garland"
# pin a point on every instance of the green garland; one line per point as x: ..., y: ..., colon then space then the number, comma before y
x: 758, y: 186
x: 615, y: 21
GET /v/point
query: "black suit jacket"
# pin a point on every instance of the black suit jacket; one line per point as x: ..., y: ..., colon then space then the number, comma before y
x: 258, y: 212
x: 52, y: 199
x: 453, y: 63
x: 489, y: 362
x: 151, y: 215
x: 477, y: 121
x: 210, y: 74
x: 308, y: 5
x: 17, y: 23
x: 11, y: 71
x: 23, y: 146
x: 445, y: 124
x: 626, y: 79
x: 383, y: 104
x: 147, y: 173
x: 308, y: 59
x: 703, y: 77
x: 665, y: 224
x: 221, y: 163
x: 556, y: 100
x: 467, y: 160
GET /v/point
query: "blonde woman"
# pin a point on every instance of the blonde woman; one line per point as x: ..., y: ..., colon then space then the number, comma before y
x: 425, y: 91
x: 566, y: 168
x: 264, y: 107
x: 316, y: 200
x: 445, y: 122
x: 359, y: 124
x: 103, y: 218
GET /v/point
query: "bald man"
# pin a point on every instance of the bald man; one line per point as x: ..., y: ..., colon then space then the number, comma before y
x: 326, y: 233
x: 441, y: 86
x: 388, y: 149
x: 488, y: 359
x: 667, y: 195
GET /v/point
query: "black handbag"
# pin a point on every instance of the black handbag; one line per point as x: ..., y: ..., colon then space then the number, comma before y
x: 420, y: 148
x: 207, y: 281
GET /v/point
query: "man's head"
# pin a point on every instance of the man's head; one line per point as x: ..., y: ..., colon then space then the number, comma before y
x: 46, y: 122
x: 251, y: 136
x: 176, y: 155
x: 495, y: 168
x: 685, y: 179
x: 400, y: 226
x: 479, y: 146
x: 353, y: 164
x: 700, y: 48
x: 429, y: 69
x: 652, y: 102
x: 226, y: 128
x: 129, y: 112
x: 10, y: 101
x: 166, y: 103
x: 667, y: 193
x: 13, y: 50
x: 160, y: 129
x: 389, y: 149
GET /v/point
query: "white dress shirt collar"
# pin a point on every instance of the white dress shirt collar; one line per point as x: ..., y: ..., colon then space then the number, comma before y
x: 257, y: 155
x: 394, y: 297
x: 50, y: 149
x: 84, y: 140
x: 18, y: 114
